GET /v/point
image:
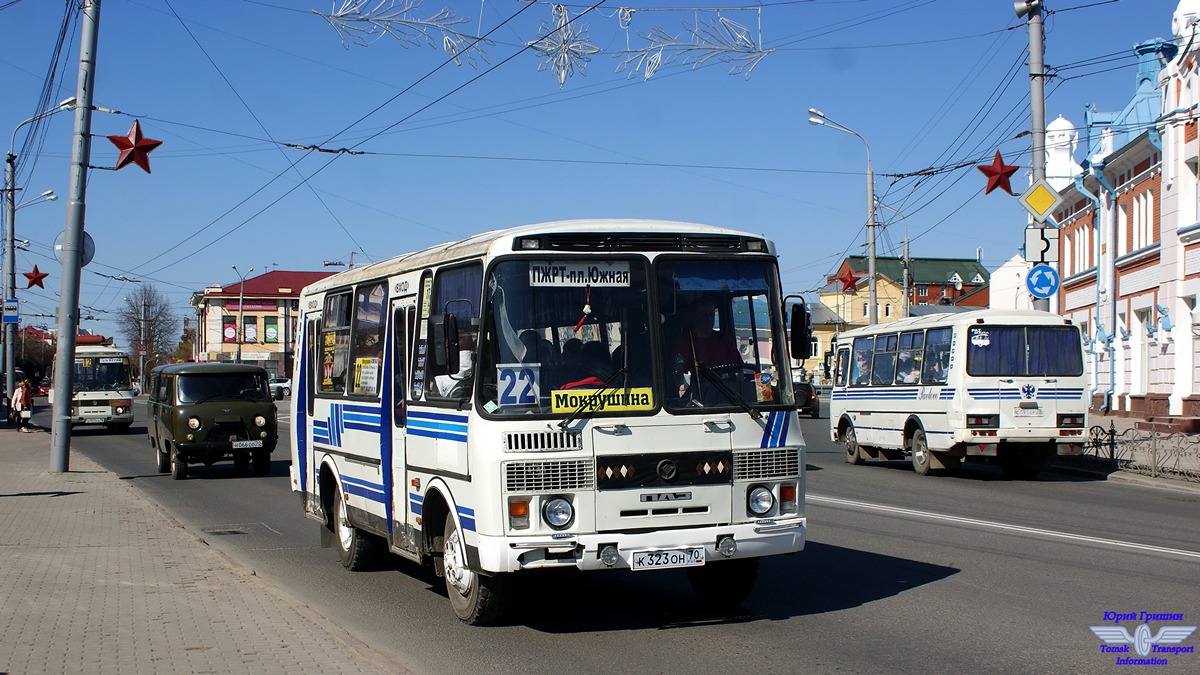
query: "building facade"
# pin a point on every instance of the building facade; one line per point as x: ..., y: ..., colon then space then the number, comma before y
x: 256, y: 317
x: 1129, y: 240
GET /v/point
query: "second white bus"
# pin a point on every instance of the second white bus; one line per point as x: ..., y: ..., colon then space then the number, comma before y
x: 1007, y: 384
x: 102, y: 388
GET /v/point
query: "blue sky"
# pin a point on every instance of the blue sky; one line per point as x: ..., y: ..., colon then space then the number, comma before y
x: 449, y: 151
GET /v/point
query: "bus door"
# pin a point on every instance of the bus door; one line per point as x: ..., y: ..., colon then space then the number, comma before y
x: 401, y: 348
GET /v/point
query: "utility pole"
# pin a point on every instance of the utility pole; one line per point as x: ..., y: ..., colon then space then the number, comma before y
x: 142, y: 346
x: 72, y: 251
x: 1037, y: 100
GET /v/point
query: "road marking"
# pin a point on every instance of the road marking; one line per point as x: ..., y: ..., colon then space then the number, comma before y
x: 1001, y: 526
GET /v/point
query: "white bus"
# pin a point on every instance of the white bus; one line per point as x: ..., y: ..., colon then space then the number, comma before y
x: 534, y: 398
x: 1007, y: 384
x: 102, y: 388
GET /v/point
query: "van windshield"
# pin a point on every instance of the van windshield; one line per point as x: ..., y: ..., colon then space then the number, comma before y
x: 241, y: 386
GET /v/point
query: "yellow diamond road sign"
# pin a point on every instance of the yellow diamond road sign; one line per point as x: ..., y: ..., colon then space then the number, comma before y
x: 1040, y: 200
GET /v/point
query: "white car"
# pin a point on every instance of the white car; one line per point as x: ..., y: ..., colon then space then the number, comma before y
x: 280, y: 387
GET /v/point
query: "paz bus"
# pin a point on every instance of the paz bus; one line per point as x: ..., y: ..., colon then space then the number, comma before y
x: 563, y: 395
x: 1004, y: 384
x: 102, y: 388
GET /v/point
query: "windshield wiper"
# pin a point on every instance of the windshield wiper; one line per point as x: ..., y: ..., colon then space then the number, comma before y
x: 587, y: 402
x: 730, y: 393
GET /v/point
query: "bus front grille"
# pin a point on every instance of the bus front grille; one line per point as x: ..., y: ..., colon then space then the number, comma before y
x: 558, y: 476
x: 768, y: 463
x: 536, y: 441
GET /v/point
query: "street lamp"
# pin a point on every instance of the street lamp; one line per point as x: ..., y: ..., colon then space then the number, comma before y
x: 818, y: 118
x: 241, y: 301
x: 10, y: 202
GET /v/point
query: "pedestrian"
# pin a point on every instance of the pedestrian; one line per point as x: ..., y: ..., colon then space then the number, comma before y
x: 22, y: 405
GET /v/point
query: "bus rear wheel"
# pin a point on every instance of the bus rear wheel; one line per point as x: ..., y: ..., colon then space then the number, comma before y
x: 922, y: 458
x: 850, y: 440
x: 477, y: 599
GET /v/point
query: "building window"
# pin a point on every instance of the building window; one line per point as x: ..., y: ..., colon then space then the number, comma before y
x: 250, y: 329
x: 270, y: 329
x: 887, y: 309
x: 922, y: 290
x: 865, y: 312
x: 229, y: 329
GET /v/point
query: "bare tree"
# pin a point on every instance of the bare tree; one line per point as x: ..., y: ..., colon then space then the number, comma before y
x: 148, y: 324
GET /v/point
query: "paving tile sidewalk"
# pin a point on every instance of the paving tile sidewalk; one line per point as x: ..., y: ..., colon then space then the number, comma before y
x: 94, y: 578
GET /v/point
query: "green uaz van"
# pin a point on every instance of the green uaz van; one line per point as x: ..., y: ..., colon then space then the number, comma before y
x: 201, y: 413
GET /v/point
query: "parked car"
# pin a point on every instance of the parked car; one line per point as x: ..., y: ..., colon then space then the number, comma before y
x: 43, y: 388
x: 201, y: 413
x: 807, y: 400
x: 280, y: 387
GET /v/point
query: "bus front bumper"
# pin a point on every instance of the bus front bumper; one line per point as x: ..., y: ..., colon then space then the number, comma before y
x: 765, y: 538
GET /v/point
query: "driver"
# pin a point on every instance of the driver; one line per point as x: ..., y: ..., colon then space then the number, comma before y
x: 700, y: 341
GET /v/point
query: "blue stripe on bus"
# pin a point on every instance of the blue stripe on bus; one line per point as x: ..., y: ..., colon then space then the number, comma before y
x: 300, y: 424
x: 466, y: 517
x: 438, y: 425
x: 775, y: 432
x: 361, y: 488
x: 928, y: 432
x: 415, y: 502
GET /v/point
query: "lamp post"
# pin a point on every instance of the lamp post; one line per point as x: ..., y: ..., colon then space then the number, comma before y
x: 241, y: 301
x: 818, y: 118
x: 10, y: 211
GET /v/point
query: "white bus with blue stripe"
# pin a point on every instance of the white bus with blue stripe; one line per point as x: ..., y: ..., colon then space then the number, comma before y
x: 1003, y: 384
x: 602, y: 394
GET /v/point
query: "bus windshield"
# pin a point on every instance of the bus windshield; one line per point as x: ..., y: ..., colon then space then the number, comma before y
x: 1023, y: 350
x: 722, y: 337
x: 558, y: 328
x: 101, y: 373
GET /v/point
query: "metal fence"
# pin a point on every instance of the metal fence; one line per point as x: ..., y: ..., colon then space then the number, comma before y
x: 1174, y: 455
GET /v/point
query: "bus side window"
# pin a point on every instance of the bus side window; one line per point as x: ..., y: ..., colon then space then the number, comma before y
x: 937, y: 356
x: 883, y: 368
x: 860, y: 367
x: 843, y: 367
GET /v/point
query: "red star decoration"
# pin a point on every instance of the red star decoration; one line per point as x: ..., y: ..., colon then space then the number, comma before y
x: 998, y: 174
x: 849, y: 280
x: 134, y: 148
x: 35, y: 277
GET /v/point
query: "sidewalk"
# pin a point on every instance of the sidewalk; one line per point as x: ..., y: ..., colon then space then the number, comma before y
x: 96, y: 579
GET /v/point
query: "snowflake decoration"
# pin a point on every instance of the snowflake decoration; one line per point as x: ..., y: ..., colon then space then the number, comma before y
x: 721, y: 39
x: 561, y: 47
x: 356, y: 24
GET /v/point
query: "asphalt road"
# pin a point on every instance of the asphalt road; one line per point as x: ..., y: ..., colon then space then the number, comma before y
x: 902, y: 573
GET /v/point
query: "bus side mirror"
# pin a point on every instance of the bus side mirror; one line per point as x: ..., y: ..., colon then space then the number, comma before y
x: 801, y: 333
x: 443, y: 334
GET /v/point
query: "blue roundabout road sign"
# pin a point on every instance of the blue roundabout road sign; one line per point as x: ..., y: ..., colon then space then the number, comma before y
x: 1042, y: 281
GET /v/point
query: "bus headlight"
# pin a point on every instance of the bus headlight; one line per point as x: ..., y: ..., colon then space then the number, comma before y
x: 193, y: 423
x: 760, y: 501
x: 558, y: 513
x: 260, y: 421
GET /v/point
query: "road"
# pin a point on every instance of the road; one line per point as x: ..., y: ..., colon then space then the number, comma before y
x: 901, y: 573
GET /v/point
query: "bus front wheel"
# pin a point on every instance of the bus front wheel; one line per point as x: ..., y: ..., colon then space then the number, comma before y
x: 356, y: 549
x: 850, y: 440
x: 477, y: 599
